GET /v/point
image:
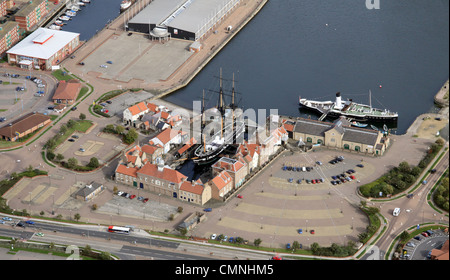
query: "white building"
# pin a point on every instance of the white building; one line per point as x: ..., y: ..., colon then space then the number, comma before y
x: 43, y: 49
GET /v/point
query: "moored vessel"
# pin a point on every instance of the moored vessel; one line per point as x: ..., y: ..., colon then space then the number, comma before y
x: 349, y: 109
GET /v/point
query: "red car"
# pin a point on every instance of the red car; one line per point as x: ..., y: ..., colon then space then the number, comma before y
x: 425, y: 234
x: 352, y: 177
x: 312, y: 231
x: 132, y: 196
x: 145, y: 200
x: 313, y: 181
x: 239, y: 196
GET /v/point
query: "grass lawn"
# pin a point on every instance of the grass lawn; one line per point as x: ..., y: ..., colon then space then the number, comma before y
x: 59, y: 74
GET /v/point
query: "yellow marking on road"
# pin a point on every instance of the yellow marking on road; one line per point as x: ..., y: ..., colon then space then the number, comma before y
x: 34, y: 193
x: 48, y: 192
x: 288, y: 213
x: 17, y: 188
x: 239, y: 224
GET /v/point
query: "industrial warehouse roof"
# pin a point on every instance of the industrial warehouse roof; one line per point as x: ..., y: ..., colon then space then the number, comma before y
x: 188, y: 15
x: 43, y: 43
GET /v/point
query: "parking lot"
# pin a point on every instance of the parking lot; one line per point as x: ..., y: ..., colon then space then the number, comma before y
x: 135, y: 57
x: 419, y: 247
x: 278, y: 209
x: 20, y: 94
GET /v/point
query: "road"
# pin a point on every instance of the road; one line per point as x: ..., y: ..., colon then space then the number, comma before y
x: 414, y: 210
x: 126, y: 247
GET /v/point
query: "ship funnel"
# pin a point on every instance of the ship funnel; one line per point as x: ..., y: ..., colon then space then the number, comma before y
x: 338, y: 104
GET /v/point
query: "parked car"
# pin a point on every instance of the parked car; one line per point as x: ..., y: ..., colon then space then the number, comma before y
x: 213, y: 236
x: 288, y: 246
x: 82, y: 150
x: 360, y: 165
x: 132, y: 196
x: 30, y: 222
x: 6, y: 219
x: 145, y: 200
x: 300, y: 231
x: 312, y: 231
x: 231, y: 240
x: 425, y: 234
x: 73, y: 108
x: 430, y: 232
x: 119, y: 193
x: 75, y: 136
x: 2, y: 119
x: 411, y: 244
x: 207, y: 209
x: 71, y: 140
x: 239, y: 196
x: 417, y: 237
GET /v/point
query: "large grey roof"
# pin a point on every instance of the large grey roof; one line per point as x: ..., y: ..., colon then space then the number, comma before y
x: 363, y: 136
x: 191, y: 14
x: 312, y: 127
x: 351, y: 134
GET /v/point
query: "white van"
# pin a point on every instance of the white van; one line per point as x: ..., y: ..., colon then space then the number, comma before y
x: 396, y: 212
x: 304, y: 169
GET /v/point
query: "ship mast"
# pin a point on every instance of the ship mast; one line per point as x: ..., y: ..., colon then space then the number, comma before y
x: 203, y: 122
x: 232, y: 110
x: 221, y: 105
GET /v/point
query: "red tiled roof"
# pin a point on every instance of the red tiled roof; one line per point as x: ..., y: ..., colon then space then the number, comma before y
x: 191, y: 187
x: 221, y: 180
x: 149, y: 149
x: 130, y: 171
x: 67, y: 90
x: 152, y: 107
x: 167, y: 174
x: 138, y: 108
x: 168, y: 134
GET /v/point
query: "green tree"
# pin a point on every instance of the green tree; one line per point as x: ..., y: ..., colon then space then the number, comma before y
x: 257, y: 242
x: 295, y: 245
x: 77, y: 217
x: 315, y: 247
x: 63, y: 129
x: 72, y: 163
x: 131, y: 136
x: 93, y: 163
x: 119, y: 129
x: 59, y: 157
x: 71, y: 123
x: 82, y: 116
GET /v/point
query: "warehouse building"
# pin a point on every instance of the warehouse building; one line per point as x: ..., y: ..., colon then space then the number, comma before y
x: 183, y: 19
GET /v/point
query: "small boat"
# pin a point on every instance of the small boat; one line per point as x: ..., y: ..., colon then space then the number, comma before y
x: 58, y: 21
x: 71, y: 13
x: 64, y: 18
x: 374, y: 127
x: 125, y: 5
x: 81, y: 4
x: 357, y: 124
x: 86, y: 1
x: 59, y: 24
x: 55, y: 27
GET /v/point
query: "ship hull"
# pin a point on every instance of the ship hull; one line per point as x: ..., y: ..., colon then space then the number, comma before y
x: 201, y: 157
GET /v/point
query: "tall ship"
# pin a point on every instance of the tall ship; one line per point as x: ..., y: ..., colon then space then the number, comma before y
x: 231, y: 129
x: 349, y: 109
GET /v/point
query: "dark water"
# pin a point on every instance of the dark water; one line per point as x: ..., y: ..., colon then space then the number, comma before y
x: 288, y: 50
x: 93, y: 17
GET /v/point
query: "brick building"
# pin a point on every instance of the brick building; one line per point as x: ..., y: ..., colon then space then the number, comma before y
x: 9, y: 36
x: 32, y: 13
